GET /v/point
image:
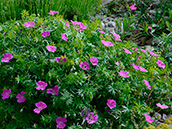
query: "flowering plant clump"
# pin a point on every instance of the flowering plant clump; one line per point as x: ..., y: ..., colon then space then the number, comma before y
x: 70, y: 73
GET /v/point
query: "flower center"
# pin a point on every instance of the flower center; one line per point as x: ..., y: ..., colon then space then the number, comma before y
x: 39, y: 108
x: 60, y: 122
x: 6, y: 93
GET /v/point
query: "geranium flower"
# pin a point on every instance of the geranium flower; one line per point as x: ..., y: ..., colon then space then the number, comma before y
x: 61, y: 122
x: 75, y: 22
x: 124, y: 74
x: 142, y: 69
x: 62, y: 19
x: 135, y: 66
x: 147, y: 84
x: 4, y: 33
x: 91, y: 118
x: 143, y: 50
x: 53, y: 12
x: 84, y: 65
x: 54, y: 90
x: 111, y: 103
x: 148, y: 118
x: 101, y: 31
x: 6, y: 93
x: 40, y: 106
x: 41, y: 85
x: 94, y: 60
x: 67, y: 24
x: 21, y: 97
x: 117, y: 37
x: 106, y: 43
x: 45, y: 34
x: 153, y: 54
x: 162, y: 106
x: 64, y: 37
x: 149, y: 27
x: 29, y: 24
x: 7, y: 57
x: 160, y: 64
x: 51, y: 48
x: 132, y: 7
x: 82, y: 26
x: 135, y: 49
x: 127, y: 51
x: 139, y: 58
x: 60, y: 59
x: 114, y: 75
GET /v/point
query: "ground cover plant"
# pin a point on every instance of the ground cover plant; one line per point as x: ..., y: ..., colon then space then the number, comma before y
x: 68, y: 74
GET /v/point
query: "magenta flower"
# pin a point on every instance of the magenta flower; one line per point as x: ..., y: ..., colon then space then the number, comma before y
x: 132, y: 7
x: 53, y: 12
x: 135, y: 49
x: 94, y: 60
x: 162, y: 106
x: 67, y: 24
x: 107, y: 43
x: 61, y: 122
x: 82, y: 26
x: 139, y: 58
x: 51, y: 48
x: 45, y: 34
x: 149, y: 27
x: 84, y: 65
x: 142, y: 69
x: 54, y: 90
x: 29, y: 24
x: 75, y: 22
x: 21, y: 97
x: 7, y: 57
x: 143, y: 50
x: 111, y: 103
x: 124, y: 74
x: 6, y: 93
x: 41, y: 85
x: 91, y: 118
x: 135, y: 66
x: 64, y: 37
x: 76, y: 28
x: 148, y: 118
x: 4, y: 33
x: 127, y: 51
x: 117, y: 37
x: 62, y: 19
x: 160, y: 64
x: 101, y: 31
x: 60, y: 59
x: 147, y: 84
x: 40, y: 106
x: 114, y: 75
x: 153, y: 54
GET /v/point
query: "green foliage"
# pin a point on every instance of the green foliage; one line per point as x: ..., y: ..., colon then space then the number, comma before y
x: 78, y: 89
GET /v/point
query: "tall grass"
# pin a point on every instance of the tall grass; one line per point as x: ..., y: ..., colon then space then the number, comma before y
x: 11, y: 9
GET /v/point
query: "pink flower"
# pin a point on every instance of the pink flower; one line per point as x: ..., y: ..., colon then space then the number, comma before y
x: 6, y: 93
x: 54, y: 90
x: 41, y: 85
x: 60, y: 59
x: 61, y: 122
x: 127, y: 51
x: 101, y: 31
x: 51, y: 48
x: 160, y: 64
x: 132, y: 7
x: 45, y: 34
x: 82, y: 26
x: 135, y: 49
x: 139, y: 58
x: 149, y: 27
x: 4, y: 33
x: 67, y: 24
x: 107, y: 43
x: 135, y: 66
x: 7, y: 57
x: 162, y: 106
x: 114, y: 75
x: 75, y: 22
x: 84, y: 65
x: 147, y: 84
x: 62, y: 19
x: 143, y: 50
x: 21, y: 97
x: 148, y: 118
x: 91, y: 118
x: 153, y: 54
x: 76, y: 28
x: 40, y: 106
x: 142, y: 69
x: 111, y: 103
x: 64, y: 37
x: 117, y: 37
x: 53, y: 12
x: 124, y: 74
x: 94, y: 60
x: 29, y: 24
